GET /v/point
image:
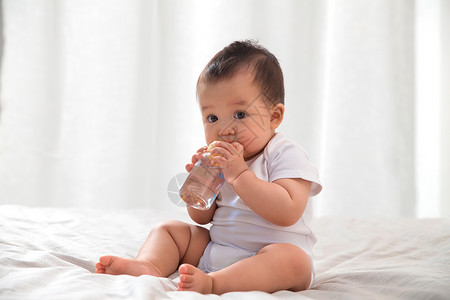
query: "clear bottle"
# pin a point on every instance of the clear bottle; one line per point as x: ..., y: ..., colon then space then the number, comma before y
x: 203, y: 184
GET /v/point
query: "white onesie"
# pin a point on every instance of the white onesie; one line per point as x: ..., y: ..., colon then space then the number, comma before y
x: 237, y: 232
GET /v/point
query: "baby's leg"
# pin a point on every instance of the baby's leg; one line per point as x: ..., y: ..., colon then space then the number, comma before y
x: 167, y: 245
x: 275, y: 267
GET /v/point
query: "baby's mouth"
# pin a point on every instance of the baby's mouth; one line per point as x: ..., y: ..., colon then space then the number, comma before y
x: 228, y: 139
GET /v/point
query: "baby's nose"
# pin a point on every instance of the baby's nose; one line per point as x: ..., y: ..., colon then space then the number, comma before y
x: 227, y: 132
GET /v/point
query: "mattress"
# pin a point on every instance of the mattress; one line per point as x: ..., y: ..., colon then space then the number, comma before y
x: 50, y: 253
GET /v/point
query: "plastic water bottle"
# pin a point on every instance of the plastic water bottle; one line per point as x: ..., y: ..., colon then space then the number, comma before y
x: 203, y: 183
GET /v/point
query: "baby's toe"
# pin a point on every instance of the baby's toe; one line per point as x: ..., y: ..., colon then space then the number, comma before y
x: 186, y: 278
x: 184, y: 285
x: 186, y: 269
x: 105, y: 260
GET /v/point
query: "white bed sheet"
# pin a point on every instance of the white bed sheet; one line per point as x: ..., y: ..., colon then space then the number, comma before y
x: 50, y: 253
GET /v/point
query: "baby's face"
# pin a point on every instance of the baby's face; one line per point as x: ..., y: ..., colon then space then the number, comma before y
x: 234, y: 110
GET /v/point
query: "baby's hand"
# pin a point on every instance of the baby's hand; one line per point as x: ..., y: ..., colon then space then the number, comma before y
x: 229, y: 156
x: 196, y: 157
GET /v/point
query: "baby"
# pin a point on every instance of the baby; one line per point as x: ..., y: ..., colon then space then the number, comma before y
x: 260, y: 238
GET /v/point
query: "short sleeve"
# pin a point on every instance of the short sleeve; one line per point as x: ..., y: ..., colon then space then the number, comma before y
x: 287, y: 159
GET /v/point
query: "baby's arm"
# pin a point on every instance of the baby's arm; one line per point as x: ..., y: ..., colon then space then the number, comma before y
x: 202, y: 217
x: 281, y: 202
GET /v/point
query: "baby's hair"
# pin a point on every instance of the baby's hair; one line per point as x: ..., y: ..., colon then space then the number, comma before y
x: 248, y: 54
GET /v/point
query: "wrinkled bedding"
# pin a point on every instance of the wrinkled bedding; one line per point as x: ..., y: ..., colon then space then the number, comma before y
x: 50, y: 253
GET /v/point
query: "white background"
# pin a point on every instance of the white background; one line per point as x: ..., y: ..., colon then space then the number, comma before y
x: 98, y: 104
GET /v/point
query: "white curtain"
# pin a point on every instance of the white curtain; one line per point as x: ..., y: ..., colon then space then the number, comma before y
x: 98, y: 104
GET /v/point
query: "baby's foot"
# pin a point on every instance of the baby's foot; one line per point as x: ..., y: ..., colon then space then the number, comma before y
x: 193, y: 279
x: 117, y: 265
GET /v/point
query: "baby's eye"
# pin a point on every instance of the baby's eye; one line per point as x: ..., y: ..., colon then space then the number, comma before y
x: 212, y: 118
x: 240, y: 115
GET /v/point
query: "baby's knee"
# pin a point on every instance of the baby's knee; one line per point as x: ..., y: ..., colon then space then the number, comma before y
x: 170, y: 225
x: 294, y: 262
x: 285, y: 254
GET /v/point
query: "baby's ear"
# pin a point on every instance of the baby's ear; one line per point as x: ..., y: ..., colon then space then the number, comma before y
x: 277, y: 115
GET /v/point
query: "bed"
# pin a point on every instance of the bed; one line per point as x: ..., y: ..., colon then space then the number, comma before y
x: 50, y: 253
